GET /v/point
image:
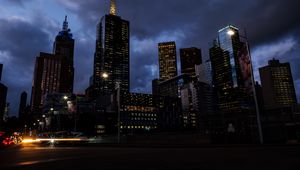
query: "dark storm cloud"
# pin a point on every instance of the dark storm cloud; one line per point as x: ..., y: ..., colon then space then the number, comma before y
x: 271, y: 25
x: 84, y: 51
x: 265, y: 18
x: 21, y: 41
x: 198, y: 20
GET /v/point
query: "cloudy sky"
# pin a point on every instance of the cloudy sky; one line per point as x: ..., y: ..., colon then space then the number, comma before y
x: 30, y: 26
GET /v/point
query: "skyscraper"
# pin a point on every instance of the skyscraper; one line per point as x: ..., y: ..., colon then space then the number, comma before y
x: 231, y: 71
x: 23, y: 103
x: 277, y: 85
x: 189, y: 57
x: 167, y: 60
x: 1, y: 67
x: 3, y: 95
x: 232, y: 81
x: 229, y: 40
x: 64, y: 47
x: 112, y: 53
x: 54, y: 73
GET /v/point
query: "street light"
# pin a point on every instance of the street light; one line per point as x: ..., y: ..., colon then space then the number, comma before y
x: 261, y: 140
x: 105, y: 75
x: 65, y: 97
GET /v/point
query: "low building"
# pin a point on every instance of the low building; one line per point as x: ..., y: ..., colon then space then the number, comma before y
x: 138, y: 113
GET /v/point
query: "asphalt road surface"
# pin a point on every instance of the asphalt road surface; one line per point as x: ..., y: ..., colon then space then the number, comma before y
x: 202, y: 158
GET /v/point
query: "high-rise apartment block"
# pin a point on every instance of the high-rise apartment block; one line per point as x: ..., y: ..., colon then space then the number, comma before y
x: 277, y: 85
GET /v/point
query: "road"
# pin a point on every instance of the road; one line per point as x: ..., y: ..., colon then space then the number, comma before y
x: 233, y: 158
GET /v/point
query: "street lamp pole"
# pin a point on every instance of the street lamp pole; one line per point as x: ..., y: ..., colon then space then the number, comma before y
x: 261, y: 138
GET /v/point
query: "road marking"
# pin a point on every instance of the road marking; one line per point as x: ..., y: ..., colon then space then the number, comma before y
x: 26, y: 163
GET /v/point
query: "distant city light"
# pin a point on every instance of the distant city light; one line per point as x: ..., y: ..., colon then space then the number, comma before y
x: 52, y: 140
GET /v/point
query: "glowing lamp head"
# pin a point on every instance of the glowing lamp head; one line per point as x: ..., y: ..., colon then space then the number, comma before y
x: 230, y: 32
x: 105, y: 75
x: 65, y: 97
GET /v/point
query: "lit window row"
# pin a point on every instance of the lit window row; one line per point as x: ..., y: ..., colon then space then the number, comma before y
x: 139, y: 127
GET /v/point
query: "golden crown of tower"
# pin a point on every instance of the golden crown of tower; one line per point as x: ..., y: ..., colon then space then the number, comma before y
x: 113, y: 7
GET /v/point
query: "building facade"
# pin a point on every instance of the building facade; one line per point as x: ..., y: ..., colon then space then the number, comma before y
x: 231, y: 68
x: 167, y: 60
x: 204, y: 73
x: 47, y: 78
x: 64, y: 47
x: 111, y: 58
x: 277, y: 85
x: 1, y: 68
x: 138, y: 113
x: 54, y: 73
x: 229, y: 40
x: 232, y: 81
x: 189, y: 57
x: 3, y: 95
x: 22, y: 105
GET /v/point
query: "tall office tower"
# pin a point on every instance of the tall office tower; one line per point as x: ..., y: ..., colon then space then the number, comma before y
x: 229, y: 98
x: 229, y: 40
x: 167, y: 60
x: 232, y: 71
x: 112, y: 54
x: 1, y: 67
x: 54, y: 73
x: 22, y: 106
x: 277, y: 85
x: 3, y: 95
x: 64, y: 47
x: 189, y: 57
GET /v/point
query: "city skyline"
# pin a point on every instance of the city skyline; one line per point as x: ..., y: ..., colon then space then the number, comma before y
x: 281, y: 45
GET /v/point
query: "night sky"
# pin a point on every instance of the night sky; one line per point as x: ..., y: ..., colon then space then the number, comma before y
x: 28, y: 27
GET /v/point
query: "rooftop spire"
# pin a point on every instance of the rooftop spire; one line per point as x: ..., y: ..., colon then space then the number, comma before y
x: 65, y: 25
x: 113, y: 7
